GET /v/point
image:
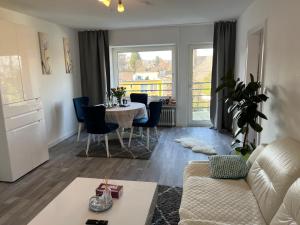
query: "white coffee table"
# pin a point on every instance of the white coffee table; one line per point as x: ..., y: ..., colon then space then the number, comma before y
x: 70, y: 207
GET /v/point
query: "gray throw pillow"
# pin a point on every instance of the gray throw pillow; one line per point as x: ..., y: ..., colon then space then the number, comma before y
x: 227, y: 167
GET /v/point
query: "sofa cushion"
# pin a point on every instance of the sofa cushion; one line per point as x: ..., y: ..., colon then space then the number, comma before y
x: 223, y: 201
x: 227, y: 167
x: 196, y: 168
x: 289, y: 211
x: 272, y: 173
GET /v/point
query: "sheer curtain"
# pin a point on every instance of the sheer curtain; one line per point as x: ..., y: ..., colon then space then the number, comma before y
x: 94, y: 64
x: 223, y: 65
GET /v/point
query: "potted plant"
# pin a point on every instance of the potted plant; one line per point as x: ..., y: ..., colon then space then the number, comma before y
x: 244, y: 100
x: 118, y: 92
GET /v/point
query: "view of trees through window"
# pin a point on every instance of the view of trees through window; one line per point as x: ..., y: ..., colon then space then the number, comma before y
x: 146, y: 71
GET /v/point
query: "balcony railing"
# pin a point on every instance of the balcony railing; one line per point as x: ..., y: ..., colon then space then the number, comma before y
x: 200, y: 91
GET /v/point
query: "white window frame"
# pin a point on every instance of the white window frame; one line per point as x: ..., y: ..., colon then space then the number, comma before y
x: 115, y: 50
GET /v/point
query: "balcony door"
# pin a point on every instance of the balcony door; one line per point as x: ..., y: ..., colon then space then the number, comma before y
x: 201, y: 57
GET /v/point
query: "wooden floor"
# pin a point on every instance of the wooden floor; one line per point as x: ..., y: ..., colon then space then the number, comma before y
x: 22, y: 200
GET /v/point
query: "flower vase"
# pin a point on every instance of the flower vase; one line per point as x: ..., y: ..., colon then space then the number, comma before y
x: 119, y: 101
x: 107, y: 196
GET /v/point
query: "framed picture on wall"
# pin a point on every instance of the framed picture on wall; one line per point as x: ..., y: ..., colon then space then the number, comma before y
x: 67, y: 51
x: 45, y: 54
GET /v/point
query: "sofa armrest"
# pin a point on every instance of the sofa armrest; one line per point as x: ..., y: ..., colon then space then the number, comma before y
x: 201, y: 222
x: 196, y: 168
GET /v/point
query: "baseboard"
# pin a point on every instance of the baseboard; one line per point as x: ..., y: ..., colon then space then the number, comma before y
x: 60, y: 139
x: 178, y: 124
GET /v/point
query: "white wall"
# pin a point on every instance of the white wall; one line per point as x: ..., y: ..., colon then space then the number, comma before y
x: 57, y: 89
x: 282, y: 63
x: 182, y: 37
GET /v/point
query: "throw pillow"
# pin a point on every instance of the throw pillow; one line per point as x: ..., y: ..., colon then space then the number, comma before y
x: 227, y: 167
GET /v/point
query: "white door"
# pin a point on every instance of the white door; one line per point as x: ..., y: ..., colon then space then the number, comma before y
x: 201, y: 57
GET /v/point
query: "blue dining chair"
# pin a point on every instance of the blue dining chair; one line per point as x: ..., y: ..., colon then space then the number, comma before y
x: 94, y: 118
x: 139, y: 97
x: 154, y: 117
x: 78, y: 104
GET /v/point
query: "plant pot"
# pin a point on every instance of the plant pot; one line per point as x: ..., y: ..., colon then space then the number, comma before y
x: 245, y: 157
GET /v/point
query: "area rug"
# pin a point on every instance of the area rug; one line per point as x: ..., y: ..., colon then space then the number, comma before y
x: 167, y: 206
x: 136, y: 151
x: 196, y: 145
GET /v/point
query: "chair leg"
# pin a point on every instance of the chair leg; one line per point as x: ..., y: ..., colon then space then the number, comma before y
x: 156, y: 132
x: 79, y: 131
x: 88, y: 145
x: 122, y: 133
x: 141, y: 132
x: 131, y: 132
x: 98, y: 138
x: 106, y: 146
x: 148, y: 138
x: 120, y: 139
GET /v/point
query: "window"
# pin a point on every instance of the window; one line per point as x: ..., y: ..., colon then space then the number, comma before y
x: 145, y: 70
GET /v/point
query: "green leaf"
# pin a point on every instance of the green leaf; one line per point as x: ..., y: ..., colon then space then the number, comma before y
x: 238, y: 131
x: 263, y: 97
x: 261, y: 115
x: 256, y: 127
x: 232, y: 108
x: 242, y: 120
x: 251, y: 77
x: 253, y: 146
x: 237, y: 114
x: 235, y: 141
x: 222, y: 86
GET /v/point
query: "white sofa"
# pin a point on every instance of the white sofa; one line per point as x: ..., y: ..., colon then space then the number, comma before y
x: 264, y: 197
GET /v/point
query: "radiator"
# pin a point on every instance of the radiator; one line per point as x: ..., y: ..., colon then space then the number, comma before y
x: 167, y: 117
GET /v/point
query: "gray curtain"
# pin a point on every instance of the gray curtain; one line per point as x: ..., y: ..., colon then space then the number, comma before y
x: 94, y: 64
x: 223, y: 65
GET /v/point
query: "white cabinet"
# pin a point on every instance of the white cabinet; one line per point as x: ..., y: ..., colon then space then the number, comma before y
x: 27, y: 39
x: 23, y: 143
x: 10, y: 68
x: 19, y: 63
x: 27, y: 156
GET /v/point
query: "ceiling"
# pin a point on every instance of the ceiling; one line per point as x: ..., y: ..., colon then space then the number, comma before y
x: 91, y: 14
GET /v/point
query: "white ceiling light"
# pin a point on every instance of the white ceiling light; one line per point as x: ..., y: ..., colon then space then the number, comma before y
x: 121, y: 7
x: 105, y: 2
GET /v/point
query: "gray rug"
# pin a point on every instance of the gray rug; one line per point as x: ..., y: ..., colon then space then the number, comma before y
x: 167, y: 206
x: 136, y: 151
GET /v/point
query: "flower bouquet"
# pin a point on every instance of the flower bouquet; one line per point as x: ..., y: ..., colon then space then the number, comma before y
x: 118, y: 92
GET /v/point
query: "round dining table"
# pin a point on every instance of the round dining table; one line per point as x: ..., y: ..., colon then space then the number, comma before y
x: 124, y: 116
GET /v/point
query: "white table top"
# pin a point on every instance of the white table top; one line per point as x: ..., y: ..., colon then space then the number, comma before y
x: 131, y: 106
x: 70, y: 207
